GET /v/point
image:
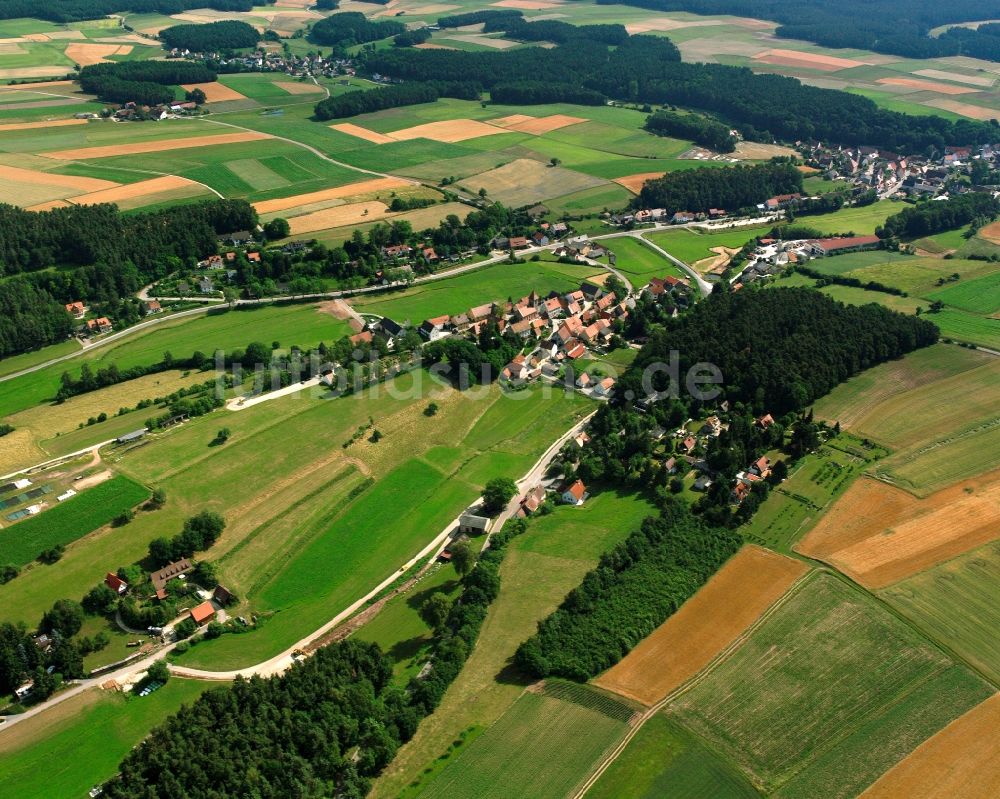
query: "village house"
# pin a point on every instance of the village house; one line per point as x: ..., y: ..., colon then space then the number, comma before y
x: 712, y: 427
x: 202, y: 614
x: 436, y: 328
x: 115, y: 583
x: 364, y: 337
x: 575, y: 494
x: 531, y: 501
x: 76, y: 309
x: 687, y: 445
x: 100, y: 325
x: 603, y: 388
x: 765, y: 421
x: 160, y: 578
x: 153, y: 306
x: 470, y: 524
x: 761, y: 467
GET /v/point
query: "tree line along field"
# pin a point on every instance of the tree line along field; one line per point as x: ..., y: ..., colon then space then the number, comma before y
x: 80, y: 743
x: 541, y: 567
x: 874, y: 688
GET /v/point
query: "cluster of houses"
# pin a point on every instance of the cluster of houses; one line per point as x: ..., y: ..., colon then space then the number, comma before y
x: 773, y: 256
x: 100, y: 325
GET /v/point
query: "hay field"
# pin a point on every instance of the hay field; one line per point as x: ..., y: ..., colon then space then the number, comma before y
x: 215, y: 92
x: 362, y: 133
x: 798, y: 58
x: 955, y: 603
x: 30, y: 187
x: 983, y: 81
x: 295, y: 87
x: 503, y: 761
x: 144, y: 192
x: 87, y: 54
x: 48, y: 123
x: 959, y: 761
x: 874, y: 689
x: 634, y: 183
x: 525, y: 181
x: 878, y: 534
x: 716, y: 616
x: 537, y: 126
x: 979, y: 112
x: 448, y: 131
x: 165, y: 145
x: 927, y: 86
x: 338, y: 193
x: 338, y: 216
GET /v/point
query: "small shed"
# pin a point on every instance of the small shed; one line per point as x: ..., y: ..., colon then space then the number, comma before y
x: 203, y: 613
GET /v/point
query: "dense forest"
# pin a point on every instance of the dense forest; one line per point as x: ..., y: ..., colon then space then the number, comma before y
x: 729, y: 188
x: 554, y: 30
x: 78, y: 10
x: 897, y: 27
x: 224, y: 35
x: 779, y: 349
x: 109, y: 256
x: 539, y: 92
x: 364, y: 101
x: 701, y: 130
x: 142, y: 82
x: 632, y: 591
x: 647, y: 69
x: 345, y: 30
x: 935, y: 217
x: 490, y: 16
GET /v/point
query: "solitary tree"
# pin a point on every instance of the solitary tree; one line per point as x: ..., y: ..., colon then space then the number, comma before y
x: 462, y: 558
x: 497, y: 493
x: 434, y: 611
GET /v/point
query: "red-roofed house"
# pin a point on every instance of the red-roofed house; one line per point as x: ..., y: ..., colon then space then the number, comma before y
x: 76, y: 309
x: 203, y: 613
x: 115, y: 583
x: 575, y: 494
x: 845, y: 244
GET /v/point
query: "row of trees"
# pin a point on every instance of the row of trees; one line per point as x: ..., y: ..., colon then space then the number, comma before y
x: 223, y: 35
x: 647, y: 69
x: 365, y: 101
x: 730, y: 188
x: 934, y: 217
x: 142, y: 82
x: 634, y: 589
x: 701, y: 130
x: 63, y: 11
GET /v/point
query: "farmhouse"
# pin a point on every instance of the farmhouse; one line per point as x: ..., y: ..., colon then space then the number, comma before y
x: 76, y: 309
x: 115, y: 583
x: 153, y: 306
x: 531, y: 501
x: 203, y: 613
x: 575, y: 494
x: 160, y: 578
x: 436, y: 328
x: 364, y: 337
x: 603, y: 389
x: 470, y: 524
x: 100, y: 325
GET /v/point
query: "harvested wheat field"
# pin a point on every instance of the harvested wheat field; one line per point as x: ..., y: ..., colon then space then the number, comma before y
x: 927, y: 86
x: 145, y: 191
x: 990, y: 232
x: 667, y: 24
x: 350, y: 214
x: 48, y: 123
x: 215, y: 92
x: 877, y: 534
x: 965, y: 109
x: 958, y: 761
x: 27, y: 87
x: 294, y: 87
x: 48, y: 206
x: 35, y: 177
x: 513, y: 119
x: 448, y: 131
x: 634, y: 183
x: 956, y: 77
x: 163, y: 145
x: 433, y: 46
x: 537, y: 126
x: 796, y: 58
x: 754, y: 151
x: 362, y: 133
x: 350, y: 190
x: 722, y: 610
x: 526, y: 5
x: 87, y: 54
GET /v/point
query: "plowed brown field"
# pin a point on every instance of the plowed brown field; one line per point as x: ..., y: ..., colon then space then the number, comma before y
x: 634, y: 182
x: 877, y: 534
x: 743, y: 589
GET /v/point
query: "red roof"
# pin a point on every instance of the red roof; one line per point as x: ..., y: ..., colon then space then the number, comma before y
x: 577, y: 489
x: 849, y: 241
x: 115, y: 583
x: 203, y: 612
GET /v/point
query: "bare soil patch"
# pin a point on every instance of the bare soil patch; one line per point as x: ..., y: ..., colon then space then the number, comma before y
x: 154, y: 146
x: 362, y: 133
x: 34, y: 72
x: 878, y: 534
x: 965, y: 109
x: 990, y: 232
x: 718, y: 263
x: 215, y: 92
x: 722, y: 610
x: 486, y: 41
x: 755, y: 151
x: 448, y: 131
x: 85, y: 53
x: 350, y: 214
x: 927, y: 86
x: 797, y: 58
x: 668, y: 24
x: 48, y: 123
x: 957, y: 77
x: 960, y: 760
x: 93, y: 480
x: 339, y: 192
x: 634, y: 183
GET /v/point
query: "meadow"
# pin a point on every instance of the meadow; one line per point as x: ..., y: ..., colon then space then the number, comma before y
x: 860, y: 221
x: 540, y: 568
x: 980, y: 295
x: 690, y: 246
x: 67, y: 521
x: 955, y: 603
x: 79, y: 743
x: 639, y: 263
x: 578, y: 722
x: 664, y: 759
x: 861, y: 672
x: 460, y: 293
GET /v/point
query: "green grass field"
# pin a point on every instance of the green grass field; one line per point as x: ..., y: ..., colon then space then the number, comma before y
x: 16, y: 363
x: 689, y: 246
x: 576, y: 721
x: 979, y: 296
x: 873, y: 687
x: 640, y: 263
x: 955, y: 603
x: 860, y: 221
x: 878, y: 263
x: 77, y: 745
x: 69, y: 520
x: 489, y: 284
x: 301, y: 324
x: 916, y: 276
x: 813, y: 484
x: 664, y: 760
